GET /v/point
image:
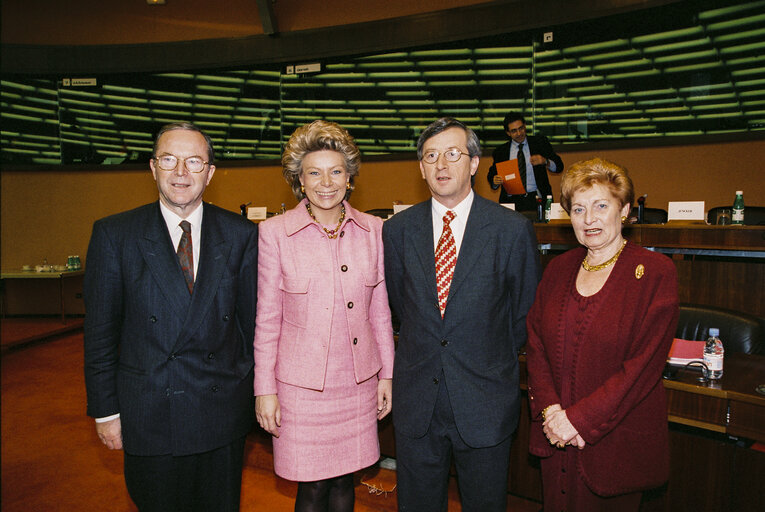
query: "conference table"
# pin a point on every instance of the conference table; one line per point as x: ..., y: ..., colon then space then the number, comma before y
x: 60, y: 275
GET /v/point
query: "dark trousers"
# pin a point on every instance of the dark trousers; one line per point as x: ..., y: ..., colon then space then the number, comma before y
x: 203, y: 482
x: 422, y: 467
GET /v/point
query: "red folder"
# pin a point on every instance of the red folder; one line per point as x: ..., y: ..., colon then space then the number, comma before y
x: 511, y: 177
x: 685, y: 351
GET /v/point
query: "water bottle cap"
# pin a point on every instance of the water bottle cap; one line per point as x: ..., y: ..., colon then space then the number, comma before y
x: 549, y: 197
x: 714, y: 331
x: 739, y: 192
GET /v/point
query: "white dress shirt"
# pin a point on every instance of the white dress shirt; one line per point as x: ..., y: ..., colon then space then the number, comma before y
x: 173, y: 222
x: 461, y: 211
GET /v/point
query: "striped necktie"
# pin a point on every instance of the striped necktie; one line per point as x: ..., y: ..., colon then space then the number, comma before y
x: 186, y: 255
x: 446, y: 259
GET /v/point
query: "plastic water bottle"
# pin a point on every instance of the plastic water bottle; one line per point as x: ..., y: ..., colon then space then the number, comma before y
x: 738, y: 208
x: 548, y: 208
x: 540, y: 210
x: 713, y: 355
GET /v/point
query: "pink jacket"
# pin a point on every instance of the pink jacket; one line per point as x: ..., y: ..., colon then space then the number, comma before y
x: 296, y: 300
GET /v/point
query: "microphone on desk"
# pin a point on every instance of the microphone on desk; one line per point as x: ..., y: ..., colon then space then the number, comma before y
x: 243, y: 209
x: 641, y: 209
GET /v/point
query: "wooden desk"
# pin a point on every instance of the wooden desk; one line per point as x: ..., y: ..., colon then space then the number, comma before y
x: 731, y: 406
x: 60, y: 275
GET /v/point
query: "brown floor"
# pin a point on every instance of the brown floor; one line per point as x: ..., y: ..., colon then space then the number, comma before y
x: 52, y: 460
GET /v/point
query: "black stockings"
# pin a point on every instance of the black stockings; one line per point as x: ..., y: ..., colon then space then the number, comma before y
x: 330, y: 495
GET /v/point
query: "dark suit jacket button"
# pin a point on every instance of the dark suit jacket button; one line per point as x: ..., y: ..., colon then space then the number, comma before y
x: 350, y: 305
x: 344, y: 268
x: 168, y: 392
x: 215, y: 389
x: 355, y: 340
x: 225, y: 318
x: 153, y: 319
x: 172, y: 357
x: 444, y: 343
x: 211, y: 355
x: 435, y: 380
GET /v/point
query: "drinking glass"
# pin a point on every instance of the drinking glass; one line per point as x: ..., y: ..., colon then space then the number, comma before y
x: 724, y: 217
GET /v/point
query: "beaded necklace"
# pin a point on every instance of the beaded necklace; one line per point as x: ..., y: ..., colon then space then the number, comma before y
x: 331, y: 233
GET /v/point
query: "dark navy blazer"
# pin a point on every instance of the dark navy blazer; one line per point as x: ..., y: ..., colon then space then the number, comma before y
x: 476, y: 343
x: 177, y: 367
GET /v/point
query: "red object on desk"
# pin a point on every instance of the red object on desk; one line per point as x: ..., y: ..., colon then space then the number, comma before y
x: 685, y: 351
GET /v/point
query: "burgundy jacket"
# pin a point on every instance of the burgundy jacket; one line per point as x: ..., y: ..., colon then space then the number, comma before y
x: 616, y: 399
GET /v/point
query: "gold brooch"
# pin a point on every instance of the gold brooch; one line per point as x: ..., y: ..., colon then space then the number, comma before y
x: 639, y: 271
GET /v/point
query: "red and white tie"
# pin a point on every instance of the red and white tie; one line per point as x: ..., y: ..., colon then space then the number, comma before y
x: 446, y: 259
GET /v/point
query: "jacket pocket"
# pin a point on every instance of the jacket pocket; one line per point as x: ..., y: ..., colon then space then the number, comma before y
x: 294, y: 299
x: 371, y: 281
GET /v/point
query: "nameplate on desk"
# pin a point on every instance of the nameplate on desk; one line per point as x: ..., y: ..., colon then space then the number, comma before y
x: 509, y: 206
x: 400, y: 208
x: 685, y: 211
x: 256, y: 213
x: 558, y: 213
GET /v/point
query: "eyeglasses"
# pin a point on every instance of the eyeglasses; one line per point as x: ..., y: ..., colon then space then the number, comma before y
x: 170, y: 163
x: 451, y: 155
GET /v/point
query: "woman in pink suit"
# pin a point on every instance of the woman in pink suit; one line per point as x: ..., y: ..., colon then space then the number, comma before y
x: 598, y: 337
x: 323, y: 337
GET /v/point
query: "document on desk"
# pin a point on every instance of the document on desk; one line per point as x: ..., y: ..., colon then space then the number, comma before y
x: 511, y: 177
x: 683, y: 352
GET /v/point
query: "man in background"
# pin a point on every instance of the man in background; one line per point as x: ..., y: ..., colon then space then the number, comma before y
x: 535, y: 155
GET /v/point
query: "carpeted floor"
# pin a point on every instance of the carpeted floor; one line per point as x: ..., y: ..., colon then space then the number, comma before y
x: 53, y: 461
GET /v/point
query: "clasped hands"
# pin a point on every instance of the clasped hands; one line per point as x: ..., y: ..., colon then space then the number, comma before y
x: 559, y: 430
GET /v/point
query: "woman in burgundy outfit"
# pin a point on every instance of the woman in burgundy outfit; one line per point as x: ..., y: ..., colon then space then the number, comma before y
x: 599, y: 333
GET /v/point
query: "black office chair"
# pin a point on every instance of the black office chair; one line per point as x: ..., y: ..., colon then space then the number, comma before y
x: 739, y: 332
x: 381, y: 212
x: 651, y: 215
x: 753, y: 215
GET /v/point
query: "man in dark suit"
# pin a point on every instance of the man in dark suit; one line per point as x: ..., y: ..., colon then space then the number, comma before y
x: 536, y: 155
x: 168, y: 335
x: 455, y: 376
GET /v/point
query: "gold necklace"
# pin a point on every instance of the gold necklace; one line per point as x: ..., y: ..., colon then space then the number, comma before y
x: 331, y: 233
x: 595, y: 268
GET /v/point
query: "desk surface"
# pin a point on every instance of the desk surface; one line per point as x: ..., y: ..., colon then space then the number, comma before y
x: 681, y: 236
x: 31, y: 274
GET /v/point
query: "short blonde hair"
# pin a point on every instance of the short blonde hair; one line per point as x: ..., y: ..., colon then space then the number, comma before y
x: 318, y: 136
x: 596, y: 171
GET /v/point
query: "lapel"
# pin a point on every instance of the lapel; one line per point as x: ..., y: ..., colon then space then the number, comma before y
x: 422, y: 239
x: 474, y: 243
x: 214, y: 250
x: 157, y: 250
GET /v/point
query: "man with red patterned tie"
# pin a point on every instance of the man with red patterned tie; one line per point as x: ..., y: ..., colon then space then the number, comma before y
x: 461, y: 273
